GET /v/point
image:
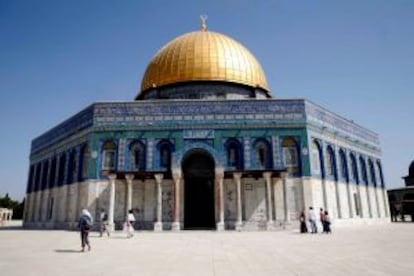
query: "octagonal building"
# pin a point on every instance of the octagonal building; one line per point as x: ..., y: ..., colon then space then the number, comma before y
x: 204, y: 145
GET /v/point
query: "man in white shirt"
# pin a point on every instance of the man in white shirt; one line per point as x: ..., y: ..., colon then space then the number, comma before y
x: 130, y: 224
x: 312, y: 220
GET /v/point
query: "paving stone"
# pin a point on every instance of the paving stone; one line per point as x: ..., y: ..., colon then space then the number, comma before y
x: 360, y: 250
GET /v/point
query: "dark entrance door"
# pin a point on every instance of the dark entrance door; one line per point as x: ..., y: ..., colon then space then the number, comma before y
x: 198, y: 168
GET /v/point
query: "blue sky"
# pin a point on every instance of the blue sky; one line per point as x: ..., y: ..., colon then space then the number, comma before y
x: 353, y: 57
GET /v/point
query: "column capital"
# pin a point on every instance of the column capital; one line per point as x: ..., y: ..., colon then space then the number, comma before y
x: 129, y: 177
x: 111, y: 210
x: 219, y: 173
x: 176, y: 174
x: 267, y: 175
x: 159, y: 177
x: 283, y: 175
x: 277, y: 180
x: 112, y: 176
x: 158, y: 224
x: 237, y: 176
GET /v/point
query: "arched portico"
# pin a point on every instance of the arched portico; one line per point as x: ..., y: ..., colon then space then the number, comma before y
x: 199, y: 190
x: 179, y: 155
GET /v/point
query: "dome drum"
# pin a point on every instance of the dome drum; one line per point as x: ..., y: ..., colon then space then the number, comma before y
x: 212, y: 90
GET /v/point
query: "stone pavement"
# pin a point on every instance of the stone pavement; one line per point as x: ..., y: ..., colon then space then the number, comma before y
x: 362, y: 250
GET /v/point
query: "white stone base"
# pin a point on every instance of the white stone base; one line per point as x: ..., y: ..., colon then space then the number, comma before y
x: 239, y: 226
x: 175, y: 226
x: 158, y: 227
x: 220, y: 226
x: 270, y: 225
x: 111, y: 227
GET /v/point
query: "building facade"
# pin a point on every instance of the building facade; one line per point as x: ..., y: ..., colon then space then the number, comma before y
x: 205, y: 146
x: 401, y: 200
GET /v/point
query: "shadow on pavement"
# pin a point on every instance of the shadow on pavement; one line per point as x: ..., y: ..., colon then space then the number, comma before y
x: 11, y: 227
x: 67, y: 251
x: 119, y: 237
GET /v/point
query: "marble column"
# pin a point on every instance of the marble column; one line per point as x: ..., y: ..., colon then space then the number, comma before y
x: 285, y: 196
x: 158, y: 223
x: 45, y: 204
x: 386, y: 203
x: 219, y: 175
x: 349, y: 196
x: 46, y: 198
x: 111, y: 211
x: 128, y: 205
x: 338, y: 200
x: 39, y: 193
x: 279, y: 198
x: 376, y: 201
x: 269, y: 223
x: 325, y: 195
x: 367, y: 189
x: 176, y: 174
x: 55, y: 193
x: 239, y: 222
x: 32, y: 200
x: 359, y: 203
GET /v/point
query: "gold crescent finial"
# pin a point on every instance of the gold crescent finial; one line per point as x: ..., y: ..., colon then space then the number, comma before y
x: 203, y: 18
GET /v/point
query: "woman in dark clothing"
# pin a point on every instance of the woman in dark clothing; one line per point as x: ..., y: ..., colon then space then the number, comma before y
x: 327, y: 223
x: 303, y: 227
x: 85, y: 223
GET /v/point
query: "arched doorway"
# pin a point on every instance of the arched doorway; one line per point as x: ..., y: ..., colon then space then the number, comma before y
x: 198, y: 169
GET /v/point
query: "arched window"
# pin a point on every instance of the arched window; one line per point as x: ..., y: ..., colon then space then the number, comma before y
x: 381, y: 177
x: 165, y: 150
x: 354, y: 169
x: 262, y: 154
x: 85, y: 158
x: 61, y: 171
x: 108, y: 155
x: 30, y: 180
x: 316, y: 157
x: 363, y: 170
x: 372, y: 173
x: 44, y: 174
x: 72, y: 167
x: 137, y: 156
x: 234, y: 152
x: 343, y: 165
x: 290, y: 155
x: 330, y: 162
x: 52, y: 177
x: 37, y: 178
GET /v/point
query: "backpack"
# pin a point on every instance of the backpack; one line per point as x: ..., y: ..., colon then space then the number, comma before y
x: 86, y: 223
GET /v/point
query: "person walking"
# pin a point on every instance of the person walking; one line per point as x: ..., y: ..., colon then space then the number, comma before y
x: 130, y: 224
x: 302, y: 219
x: 322, y: 218
x: 85, y: 224
x: 312, y: 220
x: 104, y: 223
x: 327, y: 223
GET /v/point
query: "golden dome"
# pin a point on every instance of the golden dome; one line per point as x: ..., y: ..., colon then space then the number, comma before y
x: 204, y: 56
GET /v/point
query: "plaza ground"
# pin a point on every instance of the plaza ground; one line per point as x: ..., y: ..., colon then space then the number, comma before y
x: 386, y: 249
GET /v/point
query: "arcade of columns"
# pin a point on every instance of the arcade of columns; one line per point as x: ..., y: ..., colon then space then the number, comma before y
x: 5, y: 215
x: 279, y: 190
